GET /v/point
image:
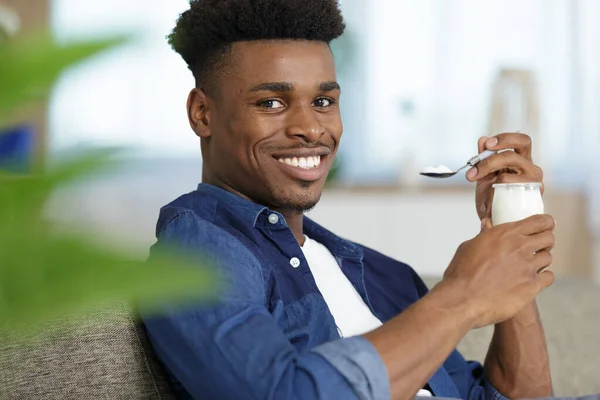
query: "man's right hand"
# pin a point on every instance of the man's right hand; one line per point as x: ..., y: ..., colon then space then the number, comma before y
x: 502, y: 269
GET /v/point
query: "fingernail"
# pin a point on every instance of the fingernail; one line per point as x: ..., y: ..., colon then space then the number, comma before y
x: 472, y: 173
x: 492, y: 142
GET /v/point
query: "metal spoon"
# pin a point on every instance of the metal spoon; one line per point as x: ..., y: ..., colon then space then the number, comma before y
x: 471, y: 163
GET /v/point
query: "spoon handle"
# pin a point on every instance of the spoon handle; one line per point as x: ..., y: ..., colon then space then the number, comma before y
x: 480, y: 157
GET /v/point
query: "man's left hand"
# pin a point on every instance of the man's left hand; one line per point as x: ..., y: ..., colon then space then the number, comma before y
x: 506, y: 167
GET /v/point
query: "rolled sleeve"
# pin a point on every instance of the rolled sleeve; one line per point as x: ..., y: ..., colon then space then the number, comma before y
x: 358, y: 361
x: 491, y: 393
x: 239, y: 353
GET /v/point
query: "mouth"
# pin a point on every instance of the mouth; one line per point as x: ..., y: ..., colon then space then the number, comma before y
x: 306, y: 167
x: 301, y: 162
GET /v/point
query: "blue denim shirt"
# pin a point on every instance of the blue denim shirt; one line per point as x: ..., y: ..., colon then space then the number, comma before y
x: 271, y: 335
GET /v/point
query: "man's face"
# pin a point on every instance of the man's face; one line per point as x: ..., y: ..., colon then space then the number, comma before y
x: 274, y: 127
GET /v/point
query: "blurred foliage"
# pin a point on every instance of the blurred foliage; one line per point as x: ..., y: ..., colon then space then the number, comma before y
x: 30, y: 66
x: 45, y: 271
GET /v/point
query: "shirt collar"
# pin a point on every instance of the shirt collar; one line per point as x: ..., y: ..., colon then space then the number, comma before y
x: 335, y: 244
x: 259, y: 216
x: 250, y: 212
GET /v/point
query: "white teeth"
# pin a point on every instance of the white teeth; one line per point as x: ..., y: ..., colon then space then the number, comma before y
x: 302, y: 162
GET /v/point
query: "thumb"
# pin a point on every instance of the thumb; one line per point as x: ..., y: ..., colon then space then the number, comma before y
x: 486, y: 223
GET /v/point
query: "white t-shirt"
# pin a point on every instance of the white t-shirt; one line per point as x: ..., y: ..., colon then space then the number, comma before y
x: 351, y: 314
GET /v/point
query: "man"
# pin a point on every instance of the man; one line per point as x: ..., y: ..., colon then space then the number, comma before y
x: 306, y: 314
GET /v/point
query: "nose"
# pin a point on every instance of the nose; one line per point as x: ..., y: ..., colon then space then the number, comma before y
x: 304, y: 124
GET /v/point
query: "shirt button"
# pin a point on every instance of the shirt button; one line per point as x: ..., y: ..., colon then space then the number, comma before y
x: 295, y: 262
x: 273, y: 218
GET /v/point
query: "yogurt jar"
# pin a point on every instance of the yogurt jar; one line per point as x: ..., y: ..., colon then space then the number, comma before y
x: 516, y: 201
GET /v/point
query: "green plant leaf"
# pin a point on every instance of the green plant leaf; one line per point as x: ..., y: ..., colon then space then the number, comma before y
x: 46, y: 273
x: 43, y: 278
x: 30, y: 66
x: 22, y: 197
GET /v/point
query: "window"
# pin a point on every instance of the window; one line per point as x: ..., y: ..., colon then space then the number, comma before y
x: 131, y: 97
x: 431, y: 76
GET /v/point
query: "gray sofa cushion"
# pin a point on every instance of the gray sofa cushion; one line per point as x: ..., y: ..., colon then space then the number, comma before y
x: 105, y: 355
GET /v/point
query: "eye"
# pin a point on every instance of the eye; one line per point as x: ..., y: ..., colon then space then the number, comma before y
x: 271, y: 104
x: 323, y: 102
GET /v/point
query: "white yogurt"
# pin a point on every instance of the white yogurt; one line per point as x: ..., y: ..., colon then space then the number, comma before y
x: 516, y: 201
x: 440, y: 169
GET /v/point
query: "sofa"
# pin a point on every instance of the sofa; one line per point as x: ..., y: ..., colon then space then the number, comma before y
x: 106, y: 354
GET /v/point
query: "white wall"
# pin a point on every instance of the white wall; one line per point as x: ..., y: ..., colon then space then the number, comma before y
x: 421, y: 230
x: 133, y: 96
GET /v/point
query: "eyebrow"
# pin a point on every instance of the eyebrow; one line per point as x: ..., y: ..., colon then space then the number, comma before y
x: 329, y: 86
x: 287, y: 87
x: 272, y: 87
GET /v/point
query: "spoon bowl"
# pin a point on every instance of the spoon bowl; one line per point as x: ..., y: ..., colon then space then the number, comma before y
x: 439, y: 175
x: 471, y: 163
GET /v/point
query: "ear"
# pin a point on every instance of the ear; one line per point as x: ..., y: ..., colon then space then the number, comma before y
x: 199, y: 113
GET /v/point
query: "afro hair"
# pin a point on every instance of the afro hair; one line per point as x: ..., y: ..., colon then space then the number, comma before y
x: 204, y: 33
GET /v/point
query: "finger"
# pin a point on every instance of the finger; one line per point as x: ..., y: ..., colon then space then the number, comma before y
x: 536, y: 224
x: 481, y: 143
x: 542, y: 260
x: 503, y: 162
x: 544, y: 241
x: 486, y: 223
x: 520, y: 142
x: 545, y: 279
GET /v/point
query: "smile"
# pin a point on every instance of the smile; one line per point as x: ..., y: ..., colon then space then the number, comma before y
x: 302, y: 162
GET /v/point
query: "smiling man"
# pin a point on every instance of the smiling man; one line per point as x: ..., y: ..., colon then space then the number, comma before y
x: 306, y: 314
x: 271, y: 128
